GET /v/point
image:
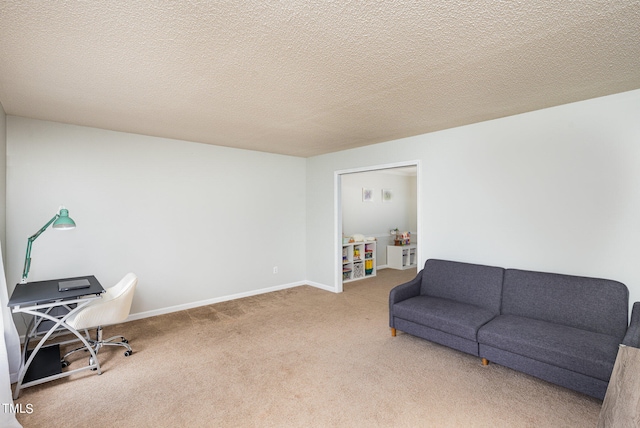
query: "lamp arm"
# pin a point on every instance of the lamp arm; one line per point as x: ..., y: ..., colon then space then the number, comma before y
x: 27, y: 259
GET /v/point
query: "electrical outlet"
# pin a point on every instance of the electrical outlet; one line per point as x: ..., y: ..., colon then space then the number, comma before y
x: 275, y: 269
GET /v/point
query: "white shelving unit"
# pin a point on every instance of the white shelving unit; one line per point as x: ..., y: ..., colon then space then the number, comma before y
x: 358, y: 260
x: 401, y: 256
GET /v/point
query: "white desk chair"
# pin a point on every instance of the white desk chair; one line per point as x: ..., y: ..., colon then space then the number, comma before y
x: 112, y: 308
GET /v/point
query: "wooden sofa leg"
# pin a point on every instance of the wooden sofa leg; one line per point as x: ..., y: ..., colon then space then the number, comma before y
x: 485, y: 362
x: 393, y: 332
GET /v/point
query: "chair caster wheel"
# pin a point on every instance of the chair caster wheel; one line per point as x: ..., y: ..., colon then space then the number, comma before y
x: 64, y: 363
x: 127, y: 353
x: 124, y: 340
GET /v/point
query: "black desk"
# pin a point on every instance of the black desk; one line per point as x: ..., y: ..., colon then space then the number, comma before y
x: 50, y: 309
x: 47, y: 291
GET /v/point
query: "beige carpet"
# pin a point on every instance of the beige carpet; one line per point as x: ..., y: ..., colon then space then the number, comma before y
x: 299, y: 357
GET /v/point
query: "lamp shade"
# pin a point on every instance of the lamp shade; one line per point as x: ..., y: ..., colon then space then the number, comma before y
x: 64, y: 221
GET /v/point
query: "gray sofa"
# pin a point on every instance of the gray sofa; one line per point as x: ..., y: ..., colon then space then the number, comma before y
x: 560, y: 328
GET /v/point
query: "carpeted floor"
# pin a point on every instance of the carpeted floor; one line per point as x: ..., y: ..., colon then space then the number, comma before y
x: 297, y: 358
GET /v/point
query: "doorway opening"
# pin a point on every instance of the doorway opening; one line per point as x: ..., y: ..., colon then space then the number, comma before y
x: 377, y: 220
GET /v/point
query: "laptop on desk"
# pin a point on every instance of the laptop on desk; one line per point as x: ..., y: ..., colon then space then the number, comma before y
x: 73, y: 284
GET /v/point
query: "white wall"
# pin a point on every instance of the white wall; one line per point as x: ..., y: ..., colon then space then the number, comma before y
x: 194, y: 221
x: 377, y: 217
x: 554, y: 190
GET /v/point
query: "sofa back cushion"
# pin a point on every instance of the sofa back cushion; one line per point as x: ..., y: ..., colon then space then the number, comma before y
x: 463, y: 282
x: 592, y: 304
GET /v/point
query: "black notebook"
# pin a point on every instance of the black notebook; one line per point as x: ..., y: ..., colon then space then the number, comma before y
x: 73, y: 284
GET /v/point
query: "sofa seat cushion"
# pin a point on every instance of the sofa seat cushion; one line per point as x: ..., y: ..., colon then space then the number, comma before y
x: 449, y: 316
x: 591, y: 354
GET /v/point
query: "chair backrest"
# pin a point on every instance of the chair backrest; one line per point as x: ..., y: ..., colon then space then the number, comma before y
x: 112, y: 308
x: 125, y: 285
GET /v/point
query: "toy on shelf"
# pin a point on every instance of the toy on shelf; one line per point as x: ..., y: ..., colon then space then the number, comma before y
x: 403, y: 238
x: 368, y: 266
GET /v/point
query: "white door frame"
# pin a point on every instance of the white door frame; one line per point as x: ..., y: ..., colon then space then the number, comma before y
x: 337, y: 212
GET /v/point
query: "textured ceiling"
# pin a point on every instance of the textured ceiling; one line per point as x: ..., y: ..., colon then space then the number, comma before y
x: 308, y: 77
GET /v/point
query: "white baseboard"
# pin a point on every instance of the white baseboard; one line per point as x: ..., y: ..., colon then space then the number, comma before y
x: 191, y: 305
x: 321, y: 286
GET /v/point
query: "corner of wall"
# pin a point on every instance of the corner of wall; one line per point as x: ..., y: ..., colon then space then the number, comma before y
x: 3, y: 178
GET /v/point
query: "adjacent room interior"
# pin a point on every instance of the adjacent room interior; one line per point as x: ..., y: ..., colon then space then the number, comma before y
x: 223, y: 152
x: 377, y: 205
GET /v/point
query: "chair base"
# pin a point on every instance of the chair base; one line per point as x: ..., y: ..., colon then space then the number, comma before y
x: 98, y: 343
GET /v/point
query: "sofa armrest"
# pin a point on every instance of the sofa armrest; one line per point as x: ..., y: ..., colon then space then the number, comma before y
x: 403, y: 292
x: 632, y: 337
